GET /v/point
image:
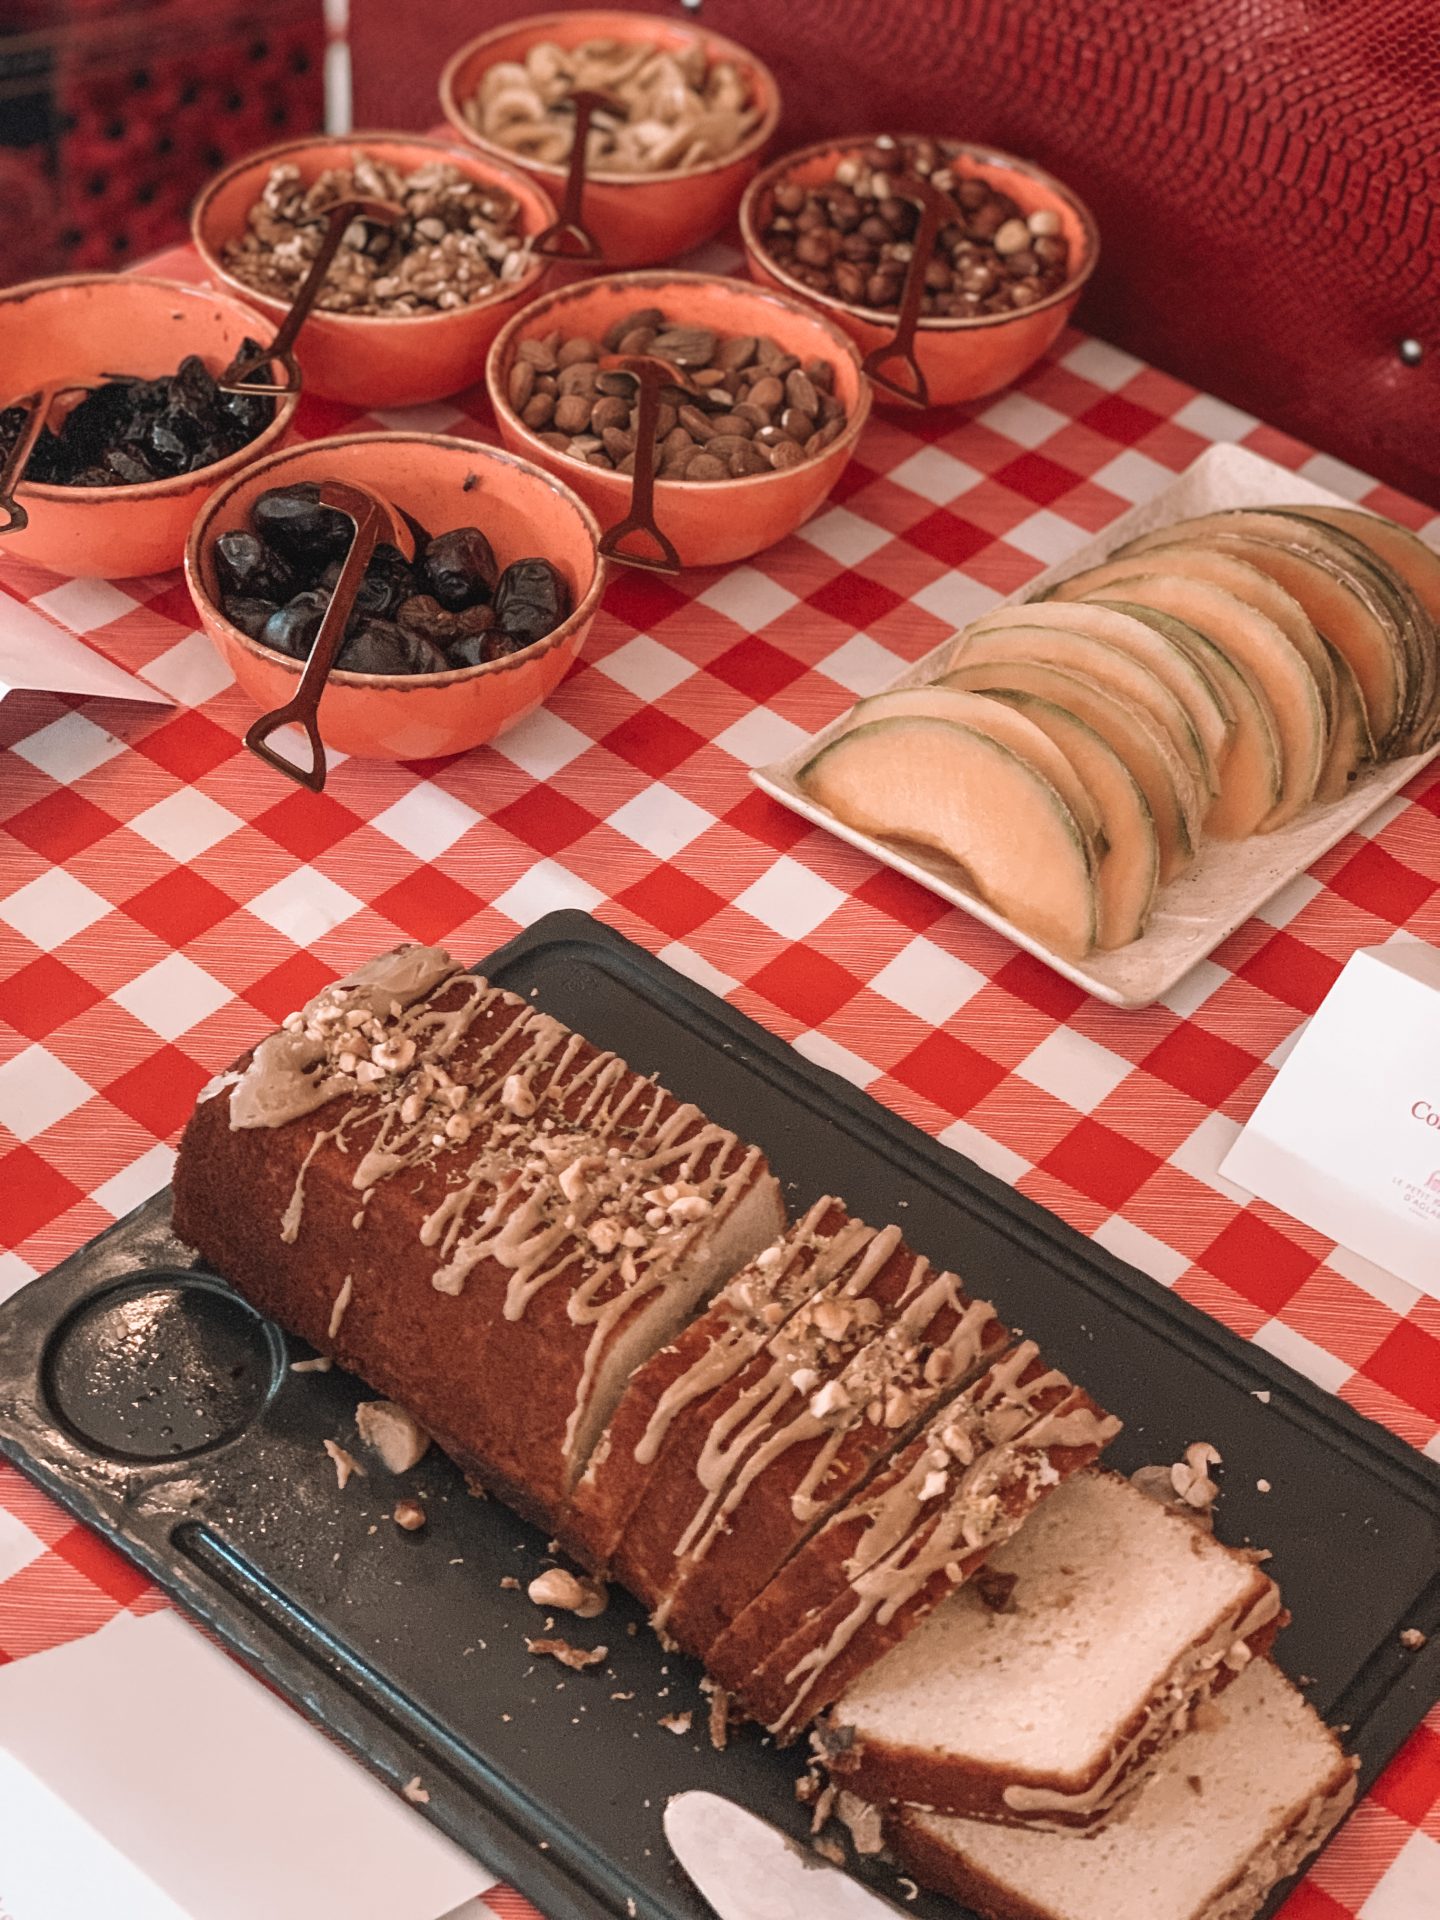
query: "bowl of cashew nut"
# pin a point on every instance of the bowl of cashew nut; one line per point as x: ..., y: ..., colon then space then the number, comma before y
x: 687, y: 117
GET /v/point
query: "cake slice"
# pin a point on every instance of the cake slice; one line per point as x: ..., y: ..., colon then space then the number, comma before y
x: 1231, y: 1810
x: 1043, y: 1690
x: 488, y: 1219
x: 762, y: 1461
x: 921, y: 1528
x: 667, y: 1406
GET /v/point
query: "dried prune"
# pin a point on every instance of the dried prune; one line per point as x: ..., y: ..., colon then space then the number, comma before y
x: 247, y: 566
x: 531, y: 600
x: 380, y: 646
x: 247, y: 613
x: 459, y: 568
x: 422, y: 613
x: 293, y: 522
x: 128, y: 432
x: 292, y: 629
x: 389, y: 579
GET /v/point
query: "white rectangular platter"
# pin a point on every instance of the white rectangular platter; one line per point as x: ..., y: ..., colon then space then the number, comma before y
x: 1229, y: 880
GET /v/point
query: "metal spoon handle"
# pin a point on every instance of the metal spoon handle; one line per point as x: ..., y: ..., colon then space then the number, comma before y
x: 650, y: 374
x: 568, y: 238
x: 38, y: 405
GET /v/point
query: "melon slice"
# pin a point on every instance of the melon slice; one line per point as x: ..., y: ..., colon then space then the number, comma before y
x: 961, y: 793
x: 1224, y: 567
x: 1130, y: 867
x: 1351, y: 744
x: 1359, y: 620
x: 1212, y: 721
x: 1418, y: 565
x: 1257, y: 643
x: 1119, y: 673
x: 1011, y: 729
x: 1142, y: 747
x: 1250, y: 777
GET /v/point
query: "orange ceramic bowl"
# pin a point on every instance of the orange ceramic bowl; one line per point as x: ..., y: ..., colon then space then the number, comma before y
x: 636, y: 219
x: 709, y: 522
x: 961, y: 359
x: 522, y: 511
x: 375, y: 360
x: 88, y: 324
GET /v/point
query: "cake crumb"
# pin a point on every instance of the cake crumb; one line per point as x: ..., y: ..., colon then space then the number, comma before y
x: 862, y: 1819
x: 509, y: 1583
x: 1412, y: 1638
x: 577, y: 1658
x: 829, y: 1849
x: 622, y: 1696
x: 415, y: 1793
x: 1262, y: 1486
x: 1262, y: 1394
x: 321, y: 1363
x: 677, y: 1722
x: 409, y: 1515
x: 345, y: 1464
x: 907, y: 1886
x: 719, y: 1714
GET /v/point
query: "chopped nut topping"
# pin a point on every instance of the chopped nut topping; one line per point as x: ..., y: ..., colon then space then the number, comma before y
x: 321, y: 1363
x: 830, y: 1850
x: 677, y: 1722
x: 934, y: 1485
x: 1412, y: 1638
x: 863, y: 1821
x: 394, y: 1434
x: 409, y: 1515
x: 577, y: 1658
x: 557, y: 1588
x: 832, y: 1318
x: 345, y: 1464
x: 414, y: 1792
x: 831, y: 1399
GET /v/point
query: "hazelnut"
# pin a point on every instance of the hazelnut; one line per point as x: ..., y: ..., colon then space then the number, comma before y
x: 409, y: 1515
x: 394, y: 1434
x: 557, y: 1588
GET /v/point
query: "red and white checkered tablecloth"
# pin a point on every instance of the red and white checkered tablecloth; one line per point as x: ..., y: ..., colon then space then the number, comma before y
x: 163, y: 901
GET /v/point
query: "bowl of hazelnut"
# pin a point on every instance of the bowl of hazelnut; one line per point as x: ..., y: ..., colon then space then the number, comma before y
x: 772, y: 403
x: 453, y: 638
x: 407, y: 311
x: 137, y: 432
x: 832, y: 224
x: 666, y: 164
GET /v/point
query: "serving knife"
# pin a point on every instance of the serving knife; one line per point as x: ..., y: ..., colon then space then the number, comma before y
x: 749, y: 1870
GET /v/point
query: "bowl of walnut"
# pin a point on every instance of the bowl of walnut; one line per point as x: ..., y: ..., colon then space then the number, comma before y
x: 406, y: 313
x: 666, y: 166
x: 830, y: 225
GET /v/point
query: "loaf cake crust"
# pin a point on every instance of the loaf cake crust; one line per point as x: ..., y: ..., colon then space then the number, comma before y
x: 920, y: 1529
x: 487, y: 1218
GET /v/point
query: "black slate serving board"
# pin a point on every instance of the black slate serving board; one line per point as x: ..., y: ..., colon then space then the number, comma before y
x: 160, y: 1410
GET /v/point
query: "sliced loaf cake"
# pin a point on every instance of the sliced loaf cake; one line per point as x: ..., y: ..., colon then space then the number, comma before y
x: 1232, y: 1809
x: 1044, y: 1689
x: 920, y: 1529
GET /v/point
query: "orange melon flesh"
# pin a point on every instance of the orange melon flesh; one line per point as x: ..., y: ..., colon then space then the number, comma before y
x: 1130, y: 868
x: 1351, y: 745
x: 1196, y: 692
x: 961, y: 793
x: 1011, y: 729
x: 1355, y: 621
x: 1224, y: 567
x: 1119, y: 673
x: 1417, y: 564
x: 1131, y: 734
x: 1258, y: 644
x: 1250, y: 773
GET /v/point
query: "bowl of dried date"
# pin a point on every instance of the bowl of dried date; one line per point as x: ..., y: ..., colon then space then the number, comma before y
x: 837, y: 224
x: 764, y: 404
x: 408, y: 308
x: 452, y: 639
x: 687, y: 114
x: 136, y: 432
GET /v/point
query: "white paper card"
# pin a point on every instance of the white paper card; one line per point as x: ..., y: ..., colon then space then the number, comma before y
x: 147, y: 1757
x: 36, y: 653
x: 1347, y: 1139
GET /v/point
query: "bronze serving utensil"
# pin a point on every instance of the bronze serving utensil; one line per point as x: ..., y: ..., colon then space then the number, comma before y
x: 937, y: 210
x: 651, y: 376
x: 568, y: 238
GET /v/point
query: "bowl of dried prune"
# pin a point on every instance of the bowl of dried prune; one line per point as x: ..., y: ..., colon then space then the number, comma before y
x: 406, y: 313
x: 453, y: 638
x: 746, y: 451
x: 835, y: 224
x: 138, y: 435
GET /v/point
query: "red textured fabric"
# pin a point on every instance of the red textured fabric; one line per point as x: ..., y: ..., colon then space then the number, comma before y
x: 1266, y: 173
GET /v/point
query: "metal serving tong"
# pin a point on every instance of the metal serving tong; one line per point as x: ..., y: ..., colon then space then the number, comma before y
x: 237, y: 376
x: 568, y: 238
x: 652, y: 376
x: 937, y: 210
x: 374, y: 519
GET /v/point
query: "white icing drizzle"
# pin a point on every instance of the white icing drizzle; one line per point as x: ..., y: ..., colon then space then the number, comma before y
x: 342, y: 1302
